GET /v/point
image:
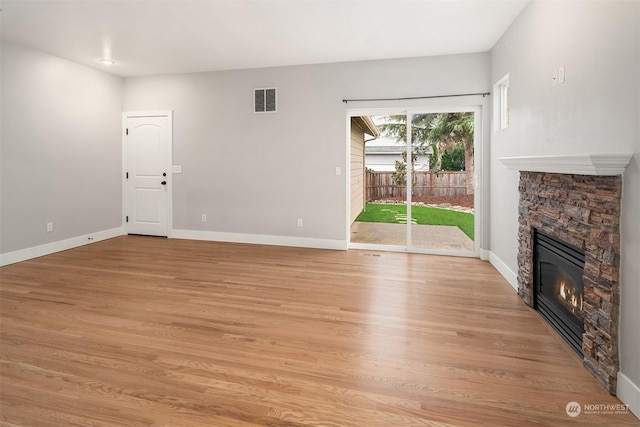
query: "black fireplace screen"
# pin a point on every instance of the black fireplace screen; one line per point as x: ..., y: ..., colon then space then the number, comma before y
x: 558, y: 287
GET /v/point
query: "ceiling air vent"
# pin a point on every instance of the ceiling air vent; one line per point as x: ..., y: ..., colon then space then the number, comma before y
x: 264, y: 100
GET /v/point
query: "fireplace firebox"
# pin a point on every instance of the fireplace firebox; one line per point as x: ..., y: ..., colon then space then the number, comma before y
x: 558, y: 286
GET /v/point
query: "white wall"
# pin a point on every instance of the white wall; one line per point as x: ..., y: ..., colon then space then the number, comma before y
x: 61, y: 149
x: 257, y: 173
x: 597, y: 110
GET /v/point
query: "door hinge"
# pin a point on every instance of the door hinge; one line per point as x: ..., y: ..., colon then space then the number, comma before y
x: 127, y: 131
x: 127, y: 175
x: 127, y: 217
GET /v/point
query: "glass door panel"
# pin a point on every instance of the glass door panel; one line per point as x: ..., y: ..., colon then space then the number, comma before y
x: 441, y: 201
x: 381, y: 174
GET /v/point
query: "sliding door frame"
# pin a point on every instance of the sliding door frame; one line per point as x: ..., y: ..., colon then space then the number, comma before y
x: 479, y: 162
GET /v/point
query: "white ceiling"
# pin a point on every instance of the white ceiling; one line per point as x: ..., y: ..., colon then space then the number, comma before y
x: 148, y: 37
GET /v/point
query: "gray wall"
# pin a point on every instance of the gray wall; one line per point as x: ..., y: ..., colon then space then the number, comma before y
x: 257, y: 173
x: 61, y: 149
x: 596, y: 111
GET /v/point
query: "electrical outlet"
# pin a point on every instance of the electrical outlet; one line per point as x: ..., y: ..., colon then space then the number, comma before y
x: 49, y: 227
x: 299, y: 222
x: 204, y: 217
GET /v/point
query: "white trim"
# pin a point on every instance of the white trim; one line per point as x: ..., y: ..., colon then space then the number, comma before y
x: 479, y: 217
x: 58, y: 246
x: 408, y: 185
x: 124, y: 171
x: 581, y: 164
x: 414, y: 250
x: 504, y: 270
x: 485, y: 254
x: 260, y: 239
x: 501, y: 103
x: 377, y: 247
x: 148, y: 113
x: 347, y: 181
x: 158, y: 113
x: 629, y: 393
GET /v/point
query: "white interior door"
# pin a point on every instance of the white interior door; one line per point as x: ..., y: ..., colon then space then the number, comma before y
x: 148, y: 173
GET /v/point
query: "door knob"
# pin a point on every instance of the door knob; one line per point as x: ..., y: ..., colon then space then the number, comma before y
x: 164, y: 183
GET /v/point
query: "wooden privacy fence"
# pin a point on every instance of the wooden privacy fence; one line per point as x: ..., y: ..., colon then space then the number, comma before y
x: 380, y: 185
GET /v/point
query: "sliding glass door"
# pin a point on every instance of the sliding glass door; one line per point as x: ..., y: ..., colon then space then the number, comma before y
x: 418, y: 181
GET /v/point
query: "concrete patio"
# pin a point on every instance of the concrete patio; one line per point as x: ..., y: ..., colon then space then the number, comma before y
x: 438, y: 237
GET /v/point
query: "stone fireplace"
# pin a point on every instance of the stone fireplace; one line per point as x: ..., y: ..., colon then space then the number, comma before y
x: 576, y: 200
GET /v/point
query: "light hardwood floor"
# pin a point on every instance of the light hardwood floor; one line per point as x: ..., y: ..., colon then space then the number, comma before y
x: 142, y: 331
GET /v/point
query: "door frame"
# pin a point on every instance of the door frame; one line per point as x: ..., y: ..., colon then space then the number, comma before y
x: 476, y: 105
x: 152, y: 113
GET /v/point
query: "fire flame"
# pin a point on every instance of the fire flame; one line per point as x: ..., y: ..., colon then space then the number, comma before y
x: 568, y: 295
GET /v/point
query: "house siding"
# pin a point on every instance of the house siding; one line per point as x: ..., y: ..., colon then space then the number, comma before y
x: 357, y: 171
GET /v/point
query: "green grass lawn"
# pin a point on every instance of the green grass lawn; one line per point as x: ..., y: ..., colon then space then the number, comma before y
x: 396, y: 214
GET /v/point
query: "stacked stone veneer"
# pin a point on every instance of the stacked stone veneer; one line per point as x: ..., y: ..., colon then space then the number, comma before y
x: 584, y: 211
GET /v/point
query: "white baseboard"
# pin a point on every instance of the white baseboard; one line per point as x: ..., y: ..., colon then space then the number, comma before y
x: 629, y: 393
x: 60, y: 245
x: 504, y: 270
x: 485, y: 254
x: 260, y: 239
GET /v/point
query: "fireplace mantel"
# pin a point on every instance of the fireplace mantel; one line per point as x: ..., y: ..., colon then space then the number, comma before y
x: 579, y: 164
